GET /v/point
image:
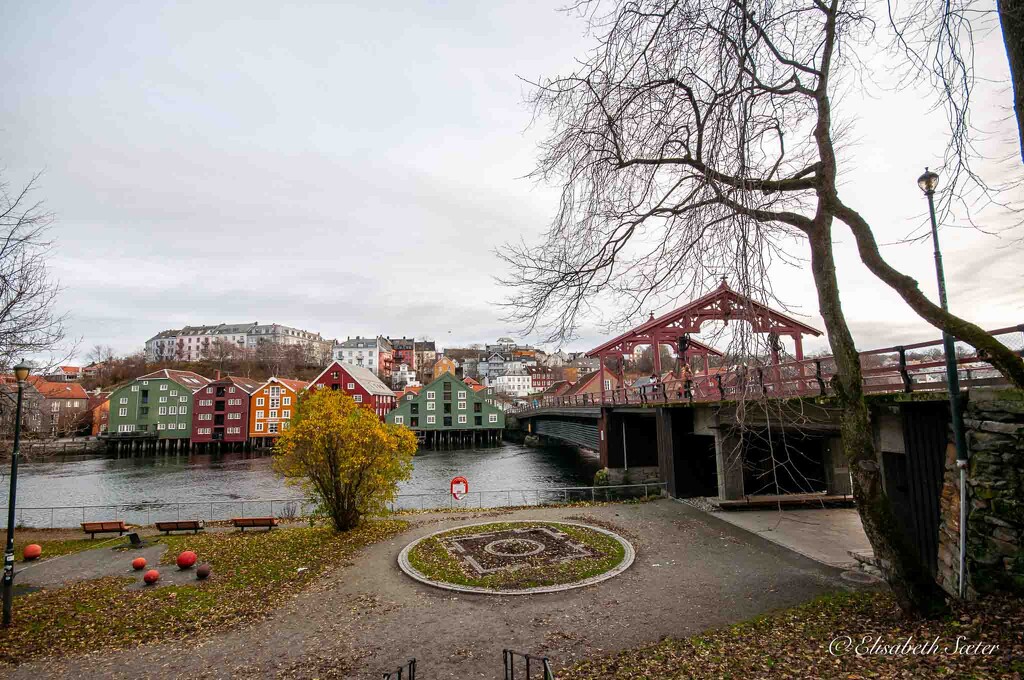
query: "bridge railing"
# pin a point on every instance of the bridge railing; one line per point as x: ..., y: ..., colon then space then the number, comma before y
x: 916, y: 367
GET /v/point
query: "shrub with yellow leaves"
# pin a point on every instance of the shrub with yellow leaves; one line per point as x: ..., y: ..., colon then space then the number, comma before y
x: 344, y: 456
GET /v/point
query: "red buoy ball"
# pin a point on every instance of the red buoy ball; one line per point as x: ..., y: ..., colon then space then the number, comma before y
x: 139, y: 563
x: 203, y: 571
x: 32, y: 551
x: 186, y: 559
x: 151, y: 577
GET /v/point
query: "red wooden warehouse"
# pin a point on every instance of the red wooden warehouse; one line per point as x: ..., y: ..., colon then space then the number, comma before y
x: 359, y: 383
x: 220, y: 411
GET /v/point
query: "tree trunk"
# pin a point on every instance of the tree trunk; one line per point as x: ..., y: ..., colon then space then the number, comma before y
x: 999, y: 355
x: 911, y: 582
x: 1011, y: 17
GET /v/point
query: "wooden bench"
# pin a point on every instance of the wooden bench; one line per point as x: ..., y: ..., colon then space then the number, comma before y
x: 250, y: 522
x: 93, y: 528
x: 193, y: 525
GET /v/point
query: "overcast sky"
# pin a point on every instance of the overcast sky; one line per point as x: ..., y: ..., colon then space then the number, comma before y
x: 350, y: 169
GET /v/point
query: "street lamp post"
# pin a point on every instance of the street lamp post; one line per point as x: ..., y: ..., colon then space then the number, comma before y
x: 928, y: 182
x: 21, y: 373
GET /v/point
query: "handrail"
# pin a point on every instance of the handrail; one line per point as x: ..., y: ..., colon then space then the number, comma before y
x: 508, y: 658
x: 406, y: 671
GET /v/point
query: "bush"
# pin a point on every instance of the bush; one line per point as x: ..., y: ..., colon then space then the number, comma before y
x: 344, y: 456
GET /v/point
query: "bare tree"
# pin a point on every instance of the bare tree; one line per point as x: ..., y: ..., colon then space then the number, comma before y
x: 935, y: 42
x: 699, y: 140
x: 1011, y: 15
x: 29, y: 324
x: 100, y: 354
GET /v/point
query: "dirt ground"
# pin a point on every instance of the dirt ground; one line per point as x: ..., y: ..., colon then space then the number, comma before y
x: 692, y: 572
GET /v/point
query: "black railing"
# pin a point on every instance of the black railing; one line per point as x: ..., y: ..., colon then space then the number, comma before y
x: 540, y: 663
x: 404, y: 672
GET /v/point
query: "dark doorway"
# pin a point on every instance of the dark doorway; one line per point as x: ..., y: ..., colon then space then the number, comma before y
x: 632, y: 440
x: 696, y: 466
x: 913, y: 480
x: 777, y: 463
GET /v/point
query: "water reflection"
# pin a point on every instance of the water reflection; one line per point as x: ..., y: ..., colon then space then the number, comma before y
x: 197, y: 478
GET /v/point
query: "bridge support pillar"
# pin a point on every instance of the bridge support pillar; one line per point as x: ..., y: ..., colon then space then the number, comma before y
x: 666, y: 450
x: 729, y: 457
x: 602, y: 434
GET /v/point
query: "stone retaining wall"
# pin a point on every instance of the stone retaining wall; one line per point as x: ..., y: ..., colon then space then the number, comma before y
x: 994, y: 423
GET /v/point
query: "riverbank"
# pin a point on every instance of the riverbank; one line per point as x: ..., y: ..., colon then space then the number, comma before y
x: 142, y: 490
x: 691, y: 573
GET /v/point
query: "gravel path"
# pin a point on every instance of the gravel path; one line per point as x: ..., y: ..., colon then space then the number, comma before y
x: 692, y: 572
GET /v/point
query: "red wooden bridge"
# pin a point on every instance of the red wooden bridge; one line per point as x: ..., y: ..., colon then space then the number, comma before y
x: 916, y: 367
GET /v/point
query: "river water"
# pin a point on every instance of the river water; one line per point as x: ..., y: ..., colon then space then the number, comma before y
x: 498, y: 475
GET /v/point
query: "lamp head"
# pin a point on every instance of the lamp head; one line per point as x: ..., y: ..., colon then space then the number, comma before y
x: 928, y: 181
x: 21, y: 371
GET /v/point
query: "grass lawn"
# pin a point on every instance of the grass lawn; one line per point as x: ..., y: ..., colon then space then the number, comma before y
x: 794, y: 643
x: 253, y: 573
x: 431, y: 558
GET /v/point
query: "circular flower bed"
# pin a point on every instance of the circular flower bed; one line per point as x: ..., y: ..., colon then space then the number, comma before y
x: 516, y: 558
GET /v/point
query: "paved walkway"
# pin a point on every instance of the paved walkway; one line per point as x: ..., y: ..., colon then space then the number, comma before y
x: 823, y: 534
x: 692, y: 572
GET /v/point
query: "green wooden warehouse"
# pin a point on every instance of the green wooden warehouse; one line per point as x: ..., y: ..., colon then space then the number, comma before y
x: 448, y: 412
x: 154, y: 411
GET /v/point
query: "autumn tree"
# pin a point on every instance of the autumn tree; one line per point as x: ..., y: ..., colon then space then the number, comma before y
x: 344, y: 456
x: 698, y: 140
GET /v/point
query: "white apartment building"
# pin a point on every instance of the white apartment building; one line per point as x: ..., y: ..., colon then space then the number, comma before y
x: 193, y: 343
x: 514, y: 384
x: 372, y: 353
x: 403, y: 375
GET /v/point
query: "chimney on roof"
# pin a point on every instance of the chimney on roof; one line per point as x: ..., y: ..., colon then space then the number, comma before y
x: 216, y: 375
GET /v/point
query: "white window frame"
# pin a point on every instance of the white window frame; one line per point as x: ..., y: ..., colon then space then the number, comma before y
x: 163, y: 387
x: 259, y: 414
x: 431, y: 394
x: 259, y: 427
x: 350, y: 386
x: 259, y: 401
x: 431, y: 420
x: 162, y: 411
x: 492, y: 418
x: 124, y: 400
x: 358, y: 398
x: 462, y: 406
x: 399, y: 420
x: 462, y: 394
x: 462, y: 419
x: 286, y: 401
x: 287, y: 413
x: 122, y: 412
x: 431, y: 405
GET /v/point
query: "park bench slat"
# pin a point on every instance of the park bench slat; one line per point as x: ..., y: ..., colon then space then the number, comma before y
x: 243, y: 522
x: 193, y: 525
x: 93, y: 528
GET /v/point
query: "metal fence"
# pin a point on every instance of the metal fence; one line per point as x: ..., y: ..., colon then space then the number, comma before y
x: 147, y: 513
